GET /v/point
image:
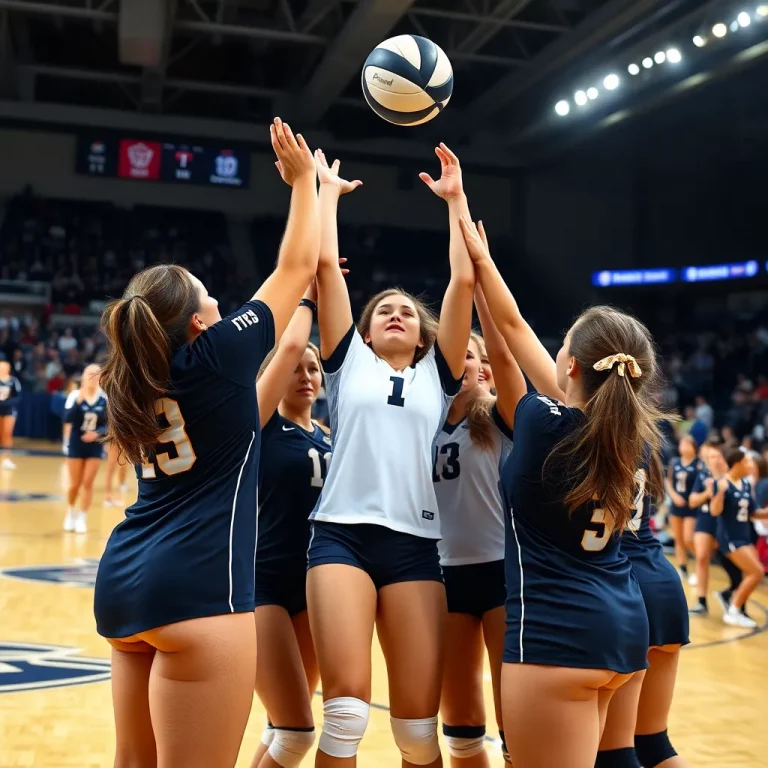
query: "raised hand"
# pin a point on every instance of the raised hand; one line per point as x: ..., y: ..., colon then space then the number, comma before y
x: 329, y: 176
x: 450, y: 183
x: 294, y: 159
x: 476, y: 240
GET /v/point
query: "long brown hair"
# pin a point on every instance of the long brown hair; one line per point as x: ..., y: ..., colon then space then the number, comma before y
x: 143, y: 329
x: 427, y: 319
x: 479, y: 420
x: 600, y: 459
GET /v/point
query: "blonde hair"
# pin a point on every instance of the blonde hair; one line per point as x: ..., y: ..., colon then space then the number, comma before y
x: 479, y: 418
x: 268, y: 359
x: 427, y: 320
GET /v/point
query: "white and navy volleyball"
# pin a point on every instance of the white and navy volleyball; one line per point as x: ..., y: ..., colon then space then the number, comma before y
x: 407, y: 80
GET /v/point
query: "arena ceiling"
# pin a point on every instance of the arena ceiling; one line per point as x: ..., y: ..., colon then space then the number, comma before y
x: 246, y: 60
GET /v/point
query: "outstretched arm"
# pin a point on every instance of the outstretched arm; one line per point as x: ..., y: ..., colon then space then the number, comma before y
x: 533, y: 358
x: 510, y: 383
x: 297, y: 260
x: 335, y: 311
x: 456, y: 312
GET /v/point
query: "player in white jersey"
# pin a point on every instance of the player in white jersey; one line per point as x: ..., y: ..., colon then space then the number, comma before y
x: 373, y: 554
x: 471, y: 448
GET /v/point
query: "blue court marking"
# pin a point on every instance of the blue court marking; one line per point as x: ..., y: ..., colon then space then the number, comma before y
x: 38, y: 452
x: 14, y: 497
x: 759, y: 629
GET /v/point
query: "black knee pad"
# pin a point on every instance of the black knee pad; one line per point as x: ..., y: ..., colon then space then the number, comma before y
x: 653, y: 749
x: 617, y: 758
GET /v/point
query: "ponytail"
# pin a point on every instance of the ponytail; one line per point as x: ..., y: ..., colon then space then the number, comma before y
x: 620, y: 431
x: 143, y: 329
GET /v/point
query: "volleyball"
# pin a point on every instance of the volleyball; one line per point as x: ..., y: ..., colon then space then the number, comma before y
x: 407, y: 80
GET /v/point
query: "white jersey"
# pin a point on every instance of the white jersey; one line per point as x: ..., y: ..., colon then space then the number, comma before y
x: 384, y: 423
x: 466, y: 481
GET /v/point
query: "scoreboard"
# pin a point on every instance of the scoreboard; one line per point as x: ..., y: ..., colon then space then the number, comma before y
x: 123, y: 157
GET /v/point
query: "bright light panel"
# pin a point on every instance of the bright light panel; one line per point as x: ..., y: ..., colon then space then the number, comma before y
x: 674, y: 56
x: 592, y: 93
x: 762, y: 10
x: 720, y: 30
x: 611, y: 82
x: 633, y: 69
x: 660, y: 57
x: 580, y: 98
x: 744, y: 19
x: 699, y: 41
x: 647, y: 62
x: 562, y: 108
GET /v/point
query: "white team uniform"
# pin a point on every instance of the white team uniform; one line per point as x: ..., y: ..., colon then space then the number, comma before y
x: 466, y: 482
x: 384, y: 423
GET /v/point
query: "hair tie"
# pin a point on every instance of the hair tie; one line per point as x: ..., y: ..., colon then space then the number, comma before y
x: 624, y: 361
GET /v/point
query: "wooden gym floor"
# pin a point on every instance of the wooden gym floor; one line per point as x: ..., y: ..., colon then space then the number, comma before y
x: 55, y: 704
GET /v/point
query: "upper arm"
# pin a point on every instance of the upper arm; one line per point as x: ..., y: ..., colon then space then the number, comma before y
x: 456, y: 324
x: 280, y: 293
x: 236, y: 346
x: 450, y: 383
x: 334, y: 311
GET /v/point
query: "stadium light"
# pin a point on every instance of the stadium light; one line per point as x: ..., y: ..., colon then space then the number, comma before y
x: 647, y: 62
x: 744, y: 19
x: 734, y: 26
x: 660, y: 57
x: 580, y: 98
x: 674, y: 56
x: 592, y: 93
x: 562, y: 108
x: 699, y: 41
x: 633, y: 69
x: 611, y: 82
x: 762, y: 10
x: 719, y: 30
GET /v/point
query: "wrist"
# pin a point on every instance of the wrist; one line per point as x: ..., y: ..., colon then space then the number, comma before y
x: 309, y: 303
x: 456, y: 199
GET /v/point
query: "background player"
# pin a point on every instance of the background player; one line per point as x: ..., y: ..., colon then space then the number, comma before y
x: 680, y: 479
x: 10, y: 395
x: 471, y: 449
x: 485, y: 378
x: 734, y: 505
x: 636, y: 726
x: 294, y: 462
x: 86, y: 412
x: 115, y: 466
x: 373, y: 556
x: 175, y: 587
x: 576, y: 626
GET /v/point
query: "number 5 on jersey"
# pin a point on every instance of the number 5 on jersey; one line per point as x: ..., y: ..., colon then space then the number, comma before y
x: 176, y: 434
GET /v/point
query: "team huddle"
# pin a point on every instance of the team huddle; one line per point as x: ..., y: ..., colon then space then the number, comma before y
x: 448, y: 507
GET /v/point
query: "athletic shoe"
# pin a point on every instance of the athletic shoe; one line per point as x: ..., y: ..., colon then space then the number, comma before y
x: 8, y: 464
x: 724, y: 598
x: 735, y: 618
x: 69, y: 521
x: 699, y: 610
x: 693, y: 580
x: 80, y: 525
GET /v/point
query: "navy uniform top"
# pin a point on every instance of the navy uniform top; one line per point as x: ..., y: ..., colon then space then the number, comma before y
x: 10, y: 394
x: 738, y: 507
x: 572, y: 599
x: 699, y: 487
x: 84, y: 417
x: 294, y: 465
x: 186, y: 548
x: 684, y: 476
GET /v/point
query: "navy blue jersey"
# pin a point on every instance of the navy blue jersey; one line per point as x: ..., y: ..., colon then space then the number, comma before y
x: 572, y: 599
x: 734, y: 525
x: 85, y: 417
x: 294, y: 465
x: 186, y: 548
x: 684, y: 476
x: 10, y: 394
x: 663, y: 594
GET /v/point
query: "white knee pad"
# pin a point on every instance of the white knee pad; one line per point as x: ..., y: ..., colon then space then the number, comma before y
x: 459, y: 747
x: 267, y: 734
x: 416, y: 739
x: 344, y: 722
x: 289, y: 747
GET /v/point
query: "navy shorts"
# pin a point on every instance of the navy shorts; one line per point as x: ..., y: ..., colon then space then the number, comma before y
x: 387, y: 556
x: 284, y: 585
x: 475, y: 589
x: 7, y: 411
x: 705, y: 523
x: 731, y: 545
x: 682, y: 511
x: 85, y: 451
